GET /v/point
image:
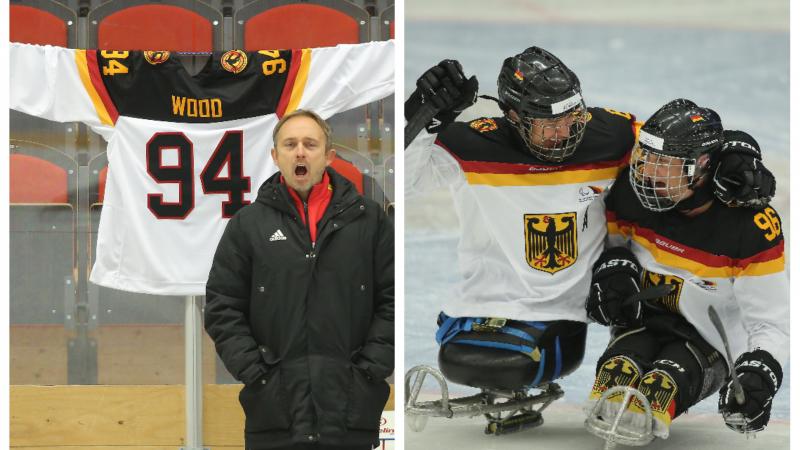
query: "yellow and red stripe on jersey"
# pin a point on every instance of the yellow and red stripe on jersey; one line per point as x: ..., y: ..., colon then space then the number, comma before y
x: 89, y: 71
x: 699, y: 262
x: 520, y: 174
x: 295, y: 81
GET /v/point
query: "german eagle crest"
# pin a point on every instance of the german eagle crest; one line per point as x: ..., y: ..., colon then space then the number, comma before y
x: 551, y: 241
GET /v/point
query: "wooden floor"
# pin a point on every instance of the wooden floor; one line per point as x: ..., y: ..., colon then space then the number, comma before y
x: 139, y: 400
x: 125, y: 417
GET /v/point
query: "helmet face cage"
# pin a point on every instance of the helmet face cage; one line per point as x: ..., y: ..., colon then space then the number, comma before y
x: 660, y: 181
x: 554, y: 139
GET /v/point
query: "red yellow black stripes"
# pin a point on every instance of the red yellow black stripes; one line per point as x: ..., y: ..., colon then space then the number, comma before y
x: 295, y: 81
x: 89, y: 71
x: 699, y: 262
x: 521, y: 174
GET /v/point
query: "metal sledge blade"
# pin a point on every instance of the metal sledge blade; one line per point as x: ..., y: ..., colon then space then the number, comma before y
x: 515, y: 423
x: 514, y: 401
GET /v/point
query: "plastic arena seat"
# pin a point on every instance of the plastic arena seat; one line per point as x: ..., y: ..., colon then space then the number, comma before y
x: 42, y: 22
x: 43, y: 198
x: 299, y: 24
x: 176, y: 25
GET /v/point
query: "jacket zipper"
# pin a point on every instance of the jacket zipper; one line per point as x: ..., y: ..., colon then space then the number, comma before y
x: 314, y: 436
x: 308, y: 228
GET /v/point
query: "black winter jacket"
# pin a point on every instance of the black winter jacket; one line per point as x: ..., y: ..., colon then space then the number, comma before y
x: 308, y: 330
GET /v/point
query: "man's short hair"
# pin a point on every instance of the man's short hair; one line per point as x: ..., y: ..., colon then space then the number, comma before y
x: 326, y: 129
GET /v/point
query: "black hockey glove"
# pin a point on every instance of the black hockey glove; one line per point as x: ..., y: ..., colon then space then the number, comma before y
x: 615, y: 277
x: 761, y: 377
x: 741, y: 179
x: 445, y: 87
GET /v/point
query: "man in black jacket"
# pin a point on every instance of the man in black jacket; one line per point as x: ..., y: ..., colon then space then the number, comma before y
x: 300, y: 301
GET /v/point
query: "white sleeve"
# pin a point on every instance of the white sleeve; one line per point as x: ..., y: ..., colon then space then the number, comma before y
x: 429, y: 167
x: 764, y: 303
x: 348, y: 76
x: 47, y: 82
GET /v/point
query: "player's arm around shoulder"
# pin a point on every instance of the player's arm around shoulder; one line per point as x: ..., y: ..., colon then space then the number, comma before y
x: 761, y: 285
x: 761, y: 291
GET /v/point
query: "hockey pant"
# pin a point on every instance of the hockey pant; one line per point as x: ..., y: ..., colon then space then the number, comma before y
x: 492, y: 353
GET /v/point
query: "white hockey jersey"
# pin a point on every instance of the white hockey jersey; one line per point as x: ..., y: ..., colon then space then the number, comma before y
x: 185, y: 152
x: 529, y: 231
x: 729, y: 258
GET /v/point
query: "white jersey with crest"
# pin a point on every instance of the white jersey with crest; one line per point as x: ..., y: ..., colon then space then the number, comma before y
x: 529, y: 230
x: 185, y: 151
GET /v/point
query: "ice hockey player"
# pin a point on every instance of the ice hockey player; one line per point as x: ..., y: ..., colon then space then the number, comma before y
x: 528, y: 189
x: 665, y: 227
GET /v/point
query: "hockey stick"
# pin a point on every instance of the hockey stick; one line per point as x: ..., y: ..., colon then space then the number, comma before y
x: 738, y: 392
x: 651, y: 293
x: 417, y: 122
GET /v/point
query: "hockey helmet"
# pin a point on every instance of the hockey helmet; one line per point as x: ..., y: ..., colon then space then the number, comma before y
x: 545, y: 95
x: 672, y: 153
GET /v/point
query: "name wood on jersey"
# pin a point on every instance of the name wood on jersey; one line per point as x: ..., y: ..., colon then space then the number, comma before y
x: 196, y: 107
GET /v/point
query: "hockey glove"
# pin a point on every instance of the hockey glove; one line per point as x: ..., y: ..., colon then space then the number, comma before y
x: 741, y: 178
x: 761, y: 377
x: 615, y: 277
x: 445, y: 87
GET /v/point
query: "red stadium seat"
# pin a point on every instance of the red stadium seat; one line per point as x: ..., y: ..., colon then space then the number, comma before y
x: 348, y: 170
x: 42, y: 233
x: 176, y: 25
x: 41, y: 175
x: 42, y: 22
x: 299, y: 24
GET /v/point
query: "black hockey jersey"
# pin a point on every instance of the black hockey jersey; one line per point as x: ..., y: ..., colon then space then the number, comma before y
x: 731, y: 258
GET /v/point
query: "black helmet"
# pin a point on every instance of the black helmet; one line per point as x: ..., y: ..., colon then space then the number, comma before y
x: 677, y: 135
x: 681, y: 128
x: 537, y: 85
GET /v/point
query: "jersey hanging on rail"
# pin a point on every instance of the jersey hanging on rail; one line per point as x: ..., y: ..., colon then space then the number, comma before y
x: 185, y: 152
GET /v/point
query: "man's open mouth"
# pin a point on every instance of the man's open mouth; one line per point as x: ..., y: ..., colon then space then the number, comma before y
x: 300, y: 170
